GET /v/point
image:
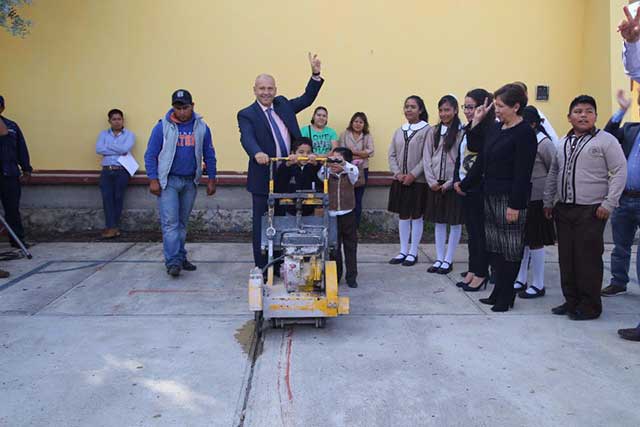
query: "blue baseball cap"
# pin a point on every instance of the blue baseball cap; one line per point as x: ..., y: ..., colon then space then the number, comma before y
x: 181, y: 97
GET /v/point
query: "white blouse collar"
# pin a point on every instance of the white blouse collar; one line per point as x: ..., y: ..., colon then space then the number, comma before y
x: 541, y: 136
x: 415, y: 126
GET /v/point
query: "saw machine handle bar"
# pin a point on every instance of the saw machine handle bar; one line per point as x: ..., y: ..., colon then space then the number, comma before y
x: 274, y: 160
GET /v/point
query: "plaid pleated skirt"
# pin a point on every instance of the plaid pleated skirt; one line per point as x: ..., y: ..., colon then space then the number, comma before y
x: 502, y: 237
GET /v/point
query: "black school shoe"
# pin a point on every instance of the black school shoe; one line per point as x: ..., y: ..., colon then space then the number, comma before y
x: 186, y: 265
x: 409, y: 262
x: 395, y: 260
x: 353, y: 284
x: 442, y: 270
x: 538, y: 293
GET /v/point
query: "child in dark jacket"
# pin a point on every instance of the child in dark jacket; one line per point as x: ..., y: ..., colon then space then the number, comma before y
x: 295, y: 175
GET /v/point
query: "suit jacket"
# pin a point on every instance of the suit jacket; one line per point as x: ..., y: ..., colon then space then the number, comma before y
x: 256, y: 135
x: 626, y: 135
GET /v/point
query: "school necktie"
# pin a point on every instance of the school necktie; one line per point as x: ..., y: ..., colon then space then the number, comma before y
x: 276, y: 130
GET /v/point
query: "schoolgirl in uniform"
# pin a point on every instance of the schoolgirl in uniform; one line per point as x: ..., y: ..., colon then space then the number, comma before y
x: 443, y: 205
x: 539, y: 231
x: 407, y: 195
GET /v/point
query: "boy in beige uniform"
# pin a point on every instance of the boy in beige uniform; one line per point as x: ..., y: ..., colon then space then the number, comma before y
x: 585, y: 181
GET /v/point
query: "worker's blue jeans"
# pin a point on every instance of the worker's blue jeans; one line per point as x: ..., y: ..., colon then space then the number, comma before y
x: 175, y: 204
x: 625, y: 221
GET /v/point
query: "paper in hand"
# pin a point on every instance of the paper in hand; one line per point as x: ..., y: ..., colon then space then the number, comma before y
x: 129, y: 163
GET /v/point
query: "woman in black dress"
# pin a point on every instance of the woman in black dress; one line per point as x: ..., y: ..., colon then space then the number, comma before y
x: 504, y: 167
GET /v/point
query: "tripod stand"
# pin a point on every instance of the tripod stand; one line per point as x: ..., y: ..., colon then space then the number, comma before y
x: 15, y: 238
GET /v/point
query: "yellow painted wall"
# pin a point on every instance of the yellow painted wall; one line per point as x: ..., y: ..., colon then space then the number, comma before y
x: 84, y: 57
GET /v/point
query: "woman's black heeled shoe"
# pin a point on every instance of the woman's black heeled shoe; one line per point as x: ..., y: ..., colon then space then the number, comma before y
x: 434, y: 268
x: 462, y: 284
x: 488, y: 301
x: 482, y: 284
x: 408, y: 263
x: 395, y: 260
x: 447, y: 270
x: 500, y: 308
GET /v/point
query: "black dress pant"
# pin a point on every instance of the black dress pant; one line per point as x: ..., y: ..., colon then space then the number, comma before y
x: 10, y: 192
x: 505, y: 274
x: 473, y: 206
x: 580, y: 249
x: 260, y: 206
x: 347, y: 241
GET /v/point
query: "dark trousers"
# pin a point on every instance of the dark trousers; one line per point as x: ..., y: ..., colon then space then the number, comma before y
x: 10, y: 192
x: 580, y: 249
x: 260, y: 206
x: 473, y: 206
x: 505, y: 274
x: 113, y: 185
x: 347, y: 242
x: 359, y: 192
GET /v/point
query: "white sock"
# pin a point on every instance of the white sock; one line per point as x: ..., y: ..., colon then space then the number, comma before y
x: 441, y: 240
x: 455, y: 232
x: 417, y: 225
x: 524, y: 268
x: 404, y: 225
x: 537, y: 268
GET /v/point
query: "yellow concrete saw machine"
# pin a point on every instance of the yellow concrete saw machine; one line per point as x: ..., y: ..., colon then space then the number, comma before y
x: 306, y: 290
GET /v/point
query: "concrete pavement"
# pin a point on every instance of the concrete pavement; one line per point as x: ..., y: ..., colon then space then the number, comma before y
x: 96, y: 334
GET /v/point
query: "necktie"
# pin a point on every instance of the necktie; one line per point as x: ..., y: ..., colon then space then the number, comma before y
x: 276, y: 130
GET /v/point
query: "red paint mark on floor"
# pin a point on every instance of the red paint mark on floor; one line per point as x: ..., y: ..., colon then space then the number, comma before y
x: 284, y: 379
x: 171, y: 291
x: 287, y: 374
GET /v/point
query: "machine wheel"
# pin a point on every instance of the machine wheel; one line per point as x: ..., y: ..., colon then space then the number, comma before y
x: 274, y: 324
x: 321, y: 322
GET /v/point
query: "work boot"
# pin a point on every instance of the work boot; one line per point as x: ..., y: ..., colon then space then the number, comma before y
x: 173, y: 270
x: 109, y: 233
x: 631, y: 334
x: 186, y: 265
x: 4, y: 274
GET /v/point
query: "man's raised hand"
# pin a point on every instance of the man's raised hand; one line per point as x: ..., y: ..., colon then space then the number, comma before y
x: 629, y: 28
x: 315, y: 63
x: 623, y: 101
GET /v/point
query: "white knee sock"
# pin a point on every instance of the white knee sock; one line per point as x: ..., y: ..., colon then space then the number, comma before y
x: 404, y: 225
x: 417, y: 225
x: 441, y: 240
x: 454, y: 238
x: 537, y: 268
x: 524, y: 268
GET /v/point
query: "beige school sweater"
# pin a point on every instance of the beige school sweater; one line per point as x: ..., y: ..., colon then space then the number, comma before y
x: 588, y: 170
x: 405, y: 151
x: 438, y: 164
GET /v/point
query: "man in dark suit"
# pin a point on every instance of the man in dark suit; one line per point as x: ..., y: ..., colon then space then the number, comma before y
x: 15, y: 167
x: 626, y: 217
x: 267, y: 128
